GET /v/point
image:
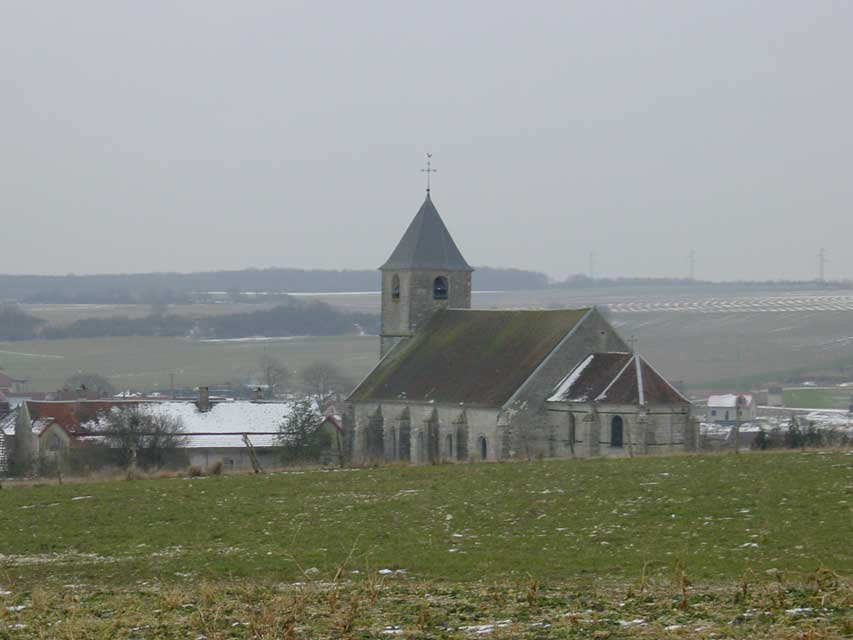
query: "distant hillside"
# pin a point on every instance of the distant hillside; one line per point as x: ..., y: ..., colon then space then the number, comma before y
x: 170, y: 288
x: 582, y: 281
x: 173, y: 288
x: 290, y: 319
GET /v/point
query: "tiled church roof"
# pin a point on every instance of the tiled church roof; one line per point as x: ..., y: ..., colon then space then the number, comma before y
x: 427, y: 244
x: 473, y: 357
x: 616, y: 378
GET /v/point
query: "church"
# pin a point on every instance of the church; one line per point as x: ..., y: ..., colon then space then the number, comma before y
x: 459, y: 384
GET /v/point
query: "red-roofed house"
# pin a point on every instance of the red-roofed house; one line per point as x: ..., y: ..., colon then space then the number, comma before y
x: 8, y: 384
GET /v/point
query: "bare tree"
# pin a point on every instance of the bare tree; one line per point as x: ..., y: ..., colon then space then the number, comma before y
x: 322, y: 379
x: 273, y: 373
x: 95, y: 382
x: 143, y: 437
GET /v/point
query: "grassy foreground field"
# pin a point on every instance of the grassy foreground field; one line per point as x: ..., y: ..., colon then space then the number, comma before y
x: 744, y: 546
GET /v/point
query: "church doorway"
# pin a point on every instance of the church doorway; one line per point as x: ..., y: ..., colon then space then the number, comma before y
x: 433, y: 451
x: 484, y: 451
x: 448, y: 445
x: 616, y: 432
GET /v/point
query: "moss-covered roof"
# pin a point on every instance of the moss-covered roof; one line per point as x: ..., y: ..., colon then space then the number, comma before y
x: 469, y: 356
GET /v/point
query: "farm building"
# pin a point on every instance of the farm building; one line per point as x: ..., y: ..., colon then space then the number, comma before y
x: 66, y: 432
x: 723, y: 409
x: 8, y: 384
x: 460, y: 384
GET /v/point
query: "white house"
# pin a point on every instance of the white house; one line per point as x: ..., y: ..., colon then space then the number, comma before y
x: 722, y: 409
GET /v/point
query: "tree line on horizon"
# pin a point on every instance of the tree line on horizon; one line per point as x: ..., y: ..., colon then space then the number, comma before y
x: 293, y: 319
x: 186, y: 288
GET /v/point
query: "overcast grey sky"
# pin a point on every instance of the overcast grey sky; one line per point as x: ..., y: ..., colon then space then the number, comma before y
x: 151, y: 136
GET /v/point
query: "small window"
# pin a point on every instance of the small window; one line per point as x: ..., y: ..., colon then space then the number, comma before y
x: 439, y: 288
x: 395, y: 287
x: 616, y: 432
x: 54, y: 444
x: 713, y: 412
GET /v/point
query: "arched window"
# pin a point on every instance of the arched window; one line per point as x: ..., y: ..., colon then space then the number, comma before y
x: 54, y: 444
x: 616, y: 432
x: 439, y: 288
x: 448, y: 443
x: 572, y: 436
x: 395, y: 287
x: 483, y: 448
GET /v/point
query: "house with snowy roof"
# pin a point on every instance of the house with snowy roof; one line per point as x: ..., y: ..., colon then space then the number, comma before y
x: 723, y: 408
x: 456, y: 383
x: 228, y: 432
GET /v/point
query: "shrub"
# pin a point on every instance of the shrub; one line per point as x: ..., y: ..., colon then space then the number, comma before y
x: 195, y: 471
x: 217, y: 468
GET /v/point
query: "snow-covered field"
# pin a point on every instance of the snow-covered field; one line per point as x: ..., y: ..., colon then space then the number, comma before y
x: 747, y: 304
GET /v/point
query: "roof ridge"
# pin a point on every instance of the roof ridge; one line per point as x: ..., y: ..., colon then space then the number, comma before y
x: 603, y: 394
x: 640, y: 390
x: 668, y: 383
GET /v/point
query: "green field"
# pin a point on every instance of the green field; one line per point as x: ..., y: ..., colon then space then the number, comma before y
x: 819, y: 398
x: 714, y: 350
x: 61, y: 314
x: 145, y: 362
x: 571, y: 548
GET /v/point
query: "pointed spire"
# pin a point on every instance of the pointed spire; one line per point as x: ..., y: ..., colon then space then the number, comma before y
x: 427, y: 244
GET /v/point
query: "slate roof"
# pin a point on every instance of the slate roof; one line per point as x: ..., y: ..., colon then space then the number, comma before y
x: 616, y: 378
x: 469, y: 356
x: 427, y: 244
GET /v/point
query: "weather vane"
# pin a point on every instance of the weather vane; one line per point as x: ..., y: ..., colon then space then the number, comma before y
x: 428, y: 169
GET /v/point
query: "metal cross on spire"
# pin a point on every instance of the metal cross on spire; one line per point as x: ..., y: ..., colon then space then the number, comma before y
x: 633, y: 342
x: 428, y: 169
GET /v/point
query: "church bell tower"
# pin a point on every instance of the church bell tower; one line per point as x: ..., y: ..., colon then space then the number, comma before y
x: 425, y: 273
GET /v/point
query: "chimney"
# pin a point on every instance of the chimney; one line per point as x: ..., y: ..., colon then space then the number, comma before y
x: 203, y: 403
x: 256, y: 394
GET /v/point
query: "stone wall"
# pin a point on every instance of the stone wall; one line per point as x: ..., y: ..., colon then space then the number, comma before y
x: 415, y: 306
x: 423, y: 432
x: 659, y: 429
x: 529, y: 433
